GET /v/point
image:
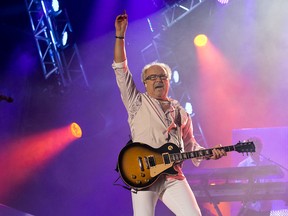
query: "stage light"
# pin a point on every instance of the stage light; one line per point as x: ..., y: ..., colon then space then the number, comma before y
x: 188, y: 108
x: 64, y: 38
x: 55, y: 5
x: 27, y: 155
x: 223, y: 1
x: 175, y: 76
x: 76, y: 130
x: 200, y: 40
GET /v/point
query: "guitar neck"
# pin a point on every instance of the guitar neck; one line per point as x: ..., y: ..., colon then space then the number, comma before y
x: 200, y: 153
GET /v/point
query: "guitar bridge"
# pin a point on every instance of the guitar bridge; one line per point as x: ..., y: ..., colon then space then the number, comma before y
x: 147, y: 163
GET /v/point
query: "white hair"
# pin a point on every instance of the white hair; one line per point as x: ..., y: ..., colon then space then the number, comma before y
x: 163, y: 65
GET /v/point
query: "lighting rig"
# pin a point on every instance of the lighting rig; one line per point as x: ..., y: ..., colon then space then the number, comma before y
x: 57, y: 48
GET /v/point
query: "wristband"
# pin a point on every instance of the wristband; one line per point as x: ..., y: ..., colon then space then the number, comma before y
x: 119, y: 37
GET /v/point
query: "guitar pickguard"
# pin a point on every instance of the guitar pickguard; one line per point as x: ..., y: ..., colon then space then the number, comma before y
x: 156, y: 170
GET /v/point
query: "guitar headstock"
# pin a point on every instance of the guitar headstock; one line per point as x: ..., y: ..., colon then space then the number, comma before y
x: 245, y: 146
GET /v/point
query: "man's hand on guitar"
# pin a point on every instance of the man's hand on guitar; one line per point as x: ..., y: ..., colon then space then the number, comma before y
x: 218, y: 152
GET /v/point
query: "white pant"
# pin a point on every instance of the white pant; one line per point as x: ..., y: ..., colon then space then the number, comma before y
x: 175, y: 194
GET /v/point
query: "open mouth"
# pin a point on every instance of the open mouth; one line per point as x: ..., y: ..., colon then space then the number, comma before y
x: 159, y: 86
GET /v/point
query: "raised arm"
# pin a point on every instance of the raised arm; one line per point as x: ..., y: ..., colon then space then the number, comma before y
x: 121, y: 24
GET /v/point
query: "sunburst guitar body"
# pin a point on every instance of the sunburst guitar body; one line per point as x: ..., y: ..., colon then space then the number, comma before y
x: 140, y: 165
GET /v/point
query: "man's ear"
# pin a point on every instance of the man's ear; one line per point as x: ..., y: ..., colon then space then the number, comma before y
x: 145, y: 84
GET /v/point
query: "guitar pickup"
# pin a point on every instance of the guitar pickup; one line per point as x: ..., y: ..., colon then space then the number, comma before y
x: 140, y: 162
x: 151, y: 161
x: 166, y: 158
x: 147, y: 163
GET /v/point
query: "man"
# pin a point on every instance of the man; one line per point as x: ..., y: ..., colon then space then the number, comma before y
x: 257, y: 207
x: 156, y: 119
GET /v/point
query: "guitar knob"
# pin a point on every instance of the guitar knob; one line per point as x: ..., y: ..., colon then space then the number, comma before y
x: 138, y: 182
x: 142, y: 174
x: 133, y: 177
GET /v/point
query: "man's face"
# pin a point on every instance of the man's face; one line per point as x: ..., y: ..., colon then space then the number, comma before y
x: 157, y: 82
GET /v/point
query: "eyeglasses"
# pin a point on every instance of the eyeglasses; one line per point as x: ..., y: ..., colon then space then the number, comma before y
x: 155, y: 76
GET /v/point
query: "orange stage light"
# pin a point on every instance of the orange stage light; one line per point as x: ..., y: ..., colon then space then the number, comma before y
x: 76, y: 130
x: 25, y: 156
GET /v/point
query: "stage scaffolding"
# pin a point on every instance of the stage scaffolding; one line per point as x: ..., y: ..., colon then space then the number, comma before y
x: 60, y: 60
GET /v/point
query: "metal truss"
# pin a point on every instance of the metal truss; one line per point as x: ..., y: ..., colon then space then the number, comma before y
x: 198, y: 132
x: 156, y: 51
x: 179, y: 10
x: 62, y: 62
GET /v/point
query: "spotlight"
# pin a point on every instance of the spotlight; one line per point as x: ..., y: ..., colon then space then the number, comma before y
x: 55, y: 5
x: 76, y: 130
x: 175, y: 76
x: 64, y: 38
x: 223, y: 1
x: 188, y: 108
x: 200, y: 40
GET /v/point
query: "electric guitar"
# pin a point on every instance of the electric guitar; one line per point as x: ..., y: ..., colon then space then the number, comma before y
x: 140, y: 165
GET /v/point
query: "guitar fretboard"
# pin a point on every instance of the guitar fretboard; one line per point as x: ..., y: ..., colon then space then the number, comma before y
x: 199, y: 153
